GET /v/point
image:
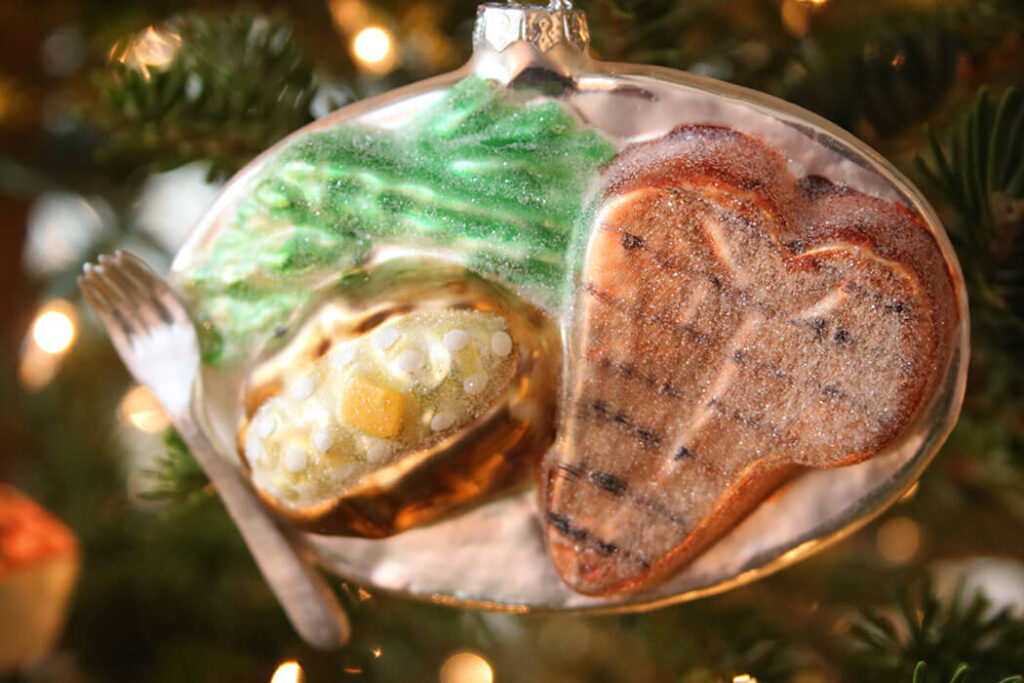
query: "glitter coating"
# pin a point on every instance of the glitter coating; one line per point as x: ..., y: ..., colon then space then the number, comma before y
x: 496, y: 182
x: 734, y: 322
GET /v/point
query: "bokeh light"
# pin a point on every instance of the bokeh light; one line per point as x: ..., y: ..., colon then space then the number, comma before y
x: 53, y: 331
x: 349, y: 15
x: 373, y: 48
x: 288, y: 672
x: 154, y: 47
x: 466, y: 667
x: 62, y: 228
x: 142, y: 410
x: 898, y: 540
x: 372, y: 45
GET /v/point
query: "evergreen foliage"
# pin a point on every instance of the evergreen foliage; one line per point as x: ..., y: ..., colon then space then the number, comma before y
x: 961, y: 675
x: 175, y: 476
x: 980, y: 173
x: 945, y: 634
x: 235, y: 83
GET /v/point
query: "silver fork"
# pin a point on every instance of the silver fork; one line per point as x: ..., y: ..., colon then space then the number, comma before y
x: 157, y: 342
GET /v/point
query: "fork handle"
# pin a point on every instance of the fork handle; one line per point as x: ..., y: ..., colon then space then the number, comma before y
x: 280, y: 552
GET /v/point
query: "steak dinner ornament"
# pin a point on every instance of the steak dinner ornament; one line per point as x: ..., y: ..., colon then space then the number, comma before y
x: 715, y: 330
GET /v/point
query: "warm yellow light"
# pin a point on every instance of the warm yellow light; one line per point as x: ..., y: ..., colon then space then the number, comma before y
x: 154, y: 47
x: 6, y: 99
x: 288, y: 672
x: 796, y: 14
x: 140, y: 407
x: 54, y: 330
x: 898, y: 540
x: 466, y: 667
x: 51, y: 335
x: 372, y: 45
x: 744, y: 678
x: 810, y: 676
x: 349, y: 15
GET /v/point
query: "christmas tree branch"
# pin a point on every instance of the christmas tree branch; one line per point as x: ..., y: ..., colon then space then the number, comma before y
x: 945, y: 633
x: 219, y: 89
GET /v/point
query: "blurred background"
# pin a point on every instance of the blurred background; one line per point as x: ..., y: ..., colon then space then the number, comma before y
x: 119, y: 122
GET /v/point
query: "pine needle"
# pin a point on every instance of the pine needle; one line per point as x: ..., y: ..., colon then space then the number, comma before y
x: 176, y: 476
x: 955, y: 636
x: 234, y: 86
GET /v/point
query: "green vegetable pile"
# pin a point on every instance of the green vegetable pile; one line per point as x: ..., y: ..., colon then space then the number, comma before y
x: 497, y: 183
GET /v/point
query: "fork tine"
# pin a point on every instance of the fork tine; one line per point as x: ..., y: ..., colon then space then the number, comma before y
x: 120, y: 306
x: 142, y: 301
x: 167, y: 303
x: 115, y: 326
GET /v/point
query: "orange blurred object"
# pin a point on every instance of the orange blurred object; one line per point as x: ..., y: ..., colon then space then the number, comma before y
x: 39, y: 562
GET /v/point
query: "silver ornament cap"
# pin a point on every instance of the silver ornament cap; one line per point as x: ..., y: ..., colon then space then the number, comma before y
x: 511, y: 34
x: 501, y: 25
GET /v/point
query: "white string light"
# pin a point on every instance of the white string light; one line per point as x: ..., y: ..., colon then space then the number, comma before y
x: 288, y: 672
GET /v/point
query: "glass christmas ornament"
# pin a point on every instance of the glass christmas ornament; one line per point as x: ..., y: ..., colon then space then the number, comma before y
x: 738, y: 333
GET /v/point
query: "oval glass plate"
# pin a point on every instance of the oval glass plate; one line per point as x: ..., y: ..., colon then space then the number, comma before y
x: 494, y: 556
